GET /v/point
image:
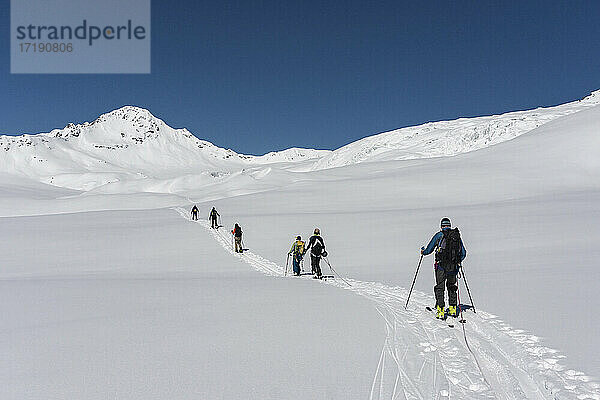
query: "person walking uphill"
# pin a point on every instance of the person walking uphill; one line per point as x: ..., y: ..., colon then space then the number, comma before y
x: 317, y: 250
x: 237, y: 234
x: 297, y: 251
x: 213, y: 218
x: 195, y: 213
x: 449, y: 254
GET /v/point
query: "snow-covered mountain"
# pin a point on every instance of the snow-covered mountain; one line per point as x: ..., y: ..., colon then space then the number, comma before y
x: 129, y: 149
x: 126, y: 144
x: 448, y: 138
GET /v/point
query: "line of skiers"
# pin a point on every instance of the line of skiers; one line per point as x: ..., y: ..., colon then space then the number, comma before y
x: 214, y: 216
x: 447, y: 245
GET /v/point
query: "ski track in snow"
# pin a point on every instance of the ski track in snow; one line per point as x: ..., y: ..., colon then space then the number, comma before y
x: 424, y: 358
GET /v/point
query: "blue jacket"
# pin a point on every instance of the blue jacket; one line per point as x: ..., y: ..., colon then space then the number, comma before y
x: 435, y: 241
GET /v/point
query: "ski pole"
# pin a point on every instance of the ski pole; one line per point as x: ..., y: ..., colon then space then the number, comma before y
x: 335, y: 272
x: 287, y: 261
x: 460, y: 309
x: 468, y: 291
x: 414, y: 280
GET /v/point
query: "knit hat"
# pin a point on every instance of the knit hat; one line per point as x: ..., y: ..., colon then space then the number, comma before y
x: 445, y: 223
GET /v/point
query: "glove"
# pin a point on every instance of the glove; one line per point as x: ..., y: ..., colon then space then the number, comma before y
x: 422, y: 250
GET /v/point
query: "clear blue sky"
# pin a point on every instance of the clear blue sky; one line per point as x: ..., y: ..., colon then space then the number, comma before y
x: 257, y: 76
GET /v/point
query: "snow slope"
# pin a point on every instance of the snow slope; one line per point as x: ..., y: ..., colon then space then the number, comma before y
x: 424, y: 358
x: 118, y: 309
x: 146, y: 304
x: 527, y: 209
x: 448, y: 138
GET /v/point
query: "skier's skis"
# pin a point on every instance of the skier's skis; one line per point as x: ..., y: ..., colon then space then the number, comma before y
x: 445, y: 319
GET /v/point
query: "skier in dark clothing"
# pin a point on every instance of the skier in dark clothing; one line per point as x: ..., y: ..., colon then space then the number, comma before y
x: 213, y: 218
x: 195, y: 213
x: 449, y: 254
x: 237, y: 234
x: 317, y: 248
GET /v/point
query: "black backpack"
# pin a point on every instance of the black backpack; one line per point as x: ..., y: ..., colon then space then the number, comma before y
x: 317, y: 247
x: 449, y: 251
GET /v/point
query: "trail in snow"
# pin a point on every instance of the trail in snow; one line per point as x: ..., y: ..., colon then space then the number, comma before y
x: 423, y: 358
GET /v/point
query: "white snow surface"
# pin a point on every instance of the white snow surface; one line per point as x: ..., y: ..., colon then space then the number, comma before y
x: 110, y: 291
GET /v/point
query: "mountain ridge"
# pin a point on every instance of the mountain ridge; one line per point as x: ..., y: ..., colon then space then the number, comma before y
x: 131, y: 144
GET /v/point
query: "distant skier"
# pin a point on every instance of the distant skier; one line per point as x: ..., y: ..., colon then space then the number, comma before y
x: 297, y: 251
x: 237, y: 235
x: 317, y: 250
x: 195, y: 213
x: 449, y: 253
x: 213, y: 218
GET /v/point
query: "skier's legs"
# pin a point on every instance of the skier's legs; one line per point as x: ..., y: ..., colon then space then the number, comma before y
x: 318, y: 266
x: 296, y: 263
x: 452, y: 288
x: 438, y: 289
x: 238, y: 244
x: 314, y: 264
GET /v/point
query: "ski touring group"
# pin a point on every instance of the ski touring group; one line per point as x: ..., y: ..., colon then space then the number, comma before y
x: 316, y: 245
x: 446, y: 244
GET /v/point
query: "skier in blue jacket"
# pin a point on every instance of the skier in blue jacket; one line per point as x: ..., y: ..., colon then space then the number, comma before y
x: 449, y: 253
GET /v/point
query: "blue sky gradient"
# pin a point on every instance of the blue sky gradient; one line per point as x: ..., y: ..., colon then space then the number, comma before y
x: 268, y: 75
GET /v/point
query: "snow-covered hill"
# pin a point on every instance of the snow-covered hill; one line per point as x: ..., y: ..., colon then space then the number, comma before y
x: 129, y: 150
x: 127, y: 144
x: 448, y: 138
